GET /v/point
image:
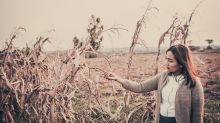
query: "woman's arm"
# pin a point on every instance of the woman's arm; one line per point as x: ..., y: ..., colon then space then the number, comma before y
x: 197, y: 103
x: 145, y: 86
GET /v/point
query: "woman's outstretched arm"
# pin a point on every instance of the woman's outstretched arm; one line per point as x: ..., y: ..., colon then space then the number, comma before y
x: 145, y: 86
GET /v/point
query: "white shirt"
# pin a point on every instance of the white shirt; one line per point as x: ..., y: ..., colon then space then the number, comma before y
x: 167, y: 107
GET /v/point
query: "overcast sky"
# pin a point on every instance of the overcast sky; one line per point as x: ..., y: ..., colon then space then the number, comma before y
x: 69, y: 18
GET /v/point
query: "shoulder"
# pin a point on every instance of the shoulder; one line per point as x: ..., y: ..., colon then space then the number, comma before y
x: 198, y: 82
x: 163, y: 74
x: 198, y: 94
x: 198, y: 89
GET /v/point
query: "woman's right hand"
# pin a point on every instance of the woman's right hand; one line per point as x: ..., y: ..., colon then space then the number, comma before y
x: 113, y: 76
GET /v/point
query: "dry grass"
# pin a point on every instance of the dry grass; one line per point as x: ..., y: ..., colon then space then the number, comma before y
x: 67, y: 87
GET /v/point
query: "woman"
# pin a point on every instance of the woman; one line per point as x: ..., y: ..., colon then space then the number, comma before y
x: 180, y: 97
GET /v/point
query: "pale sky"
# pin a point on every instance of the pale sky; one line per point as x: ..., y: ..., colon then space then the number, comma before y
x: 69, y: 18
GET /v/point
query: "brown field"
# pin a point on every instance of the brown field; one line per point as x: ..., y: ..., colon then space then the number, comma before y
x: 143, y: 67
x: 71, y: 87
x: 67, y: 87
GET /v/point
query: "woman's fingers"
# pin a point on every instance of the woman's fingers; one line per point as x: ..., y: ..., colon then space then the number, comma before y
x: 106, y: 75
x: 110, y: 76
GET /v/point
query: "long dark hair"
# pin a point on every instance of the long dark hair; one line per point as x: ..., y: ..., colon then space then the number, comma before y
x: 183, y: 56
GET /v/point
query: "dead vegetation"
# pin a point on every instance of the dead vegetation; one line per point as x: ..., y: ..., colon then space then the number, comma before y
x: 62, y: 88
x: 38, y: 88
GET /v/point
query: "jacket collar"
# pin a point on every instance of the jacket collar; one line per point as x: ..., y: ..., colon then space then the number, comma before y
x: 166, y: 79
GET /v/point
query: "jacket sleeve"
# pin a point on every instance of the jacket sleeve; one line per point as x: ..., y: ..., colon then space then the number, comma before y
x: 145, y: 86
x: 197, y: 103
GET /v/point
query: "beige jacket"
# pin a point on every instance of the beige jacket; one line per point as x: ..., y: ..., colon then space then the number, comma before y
x: 189, y: 102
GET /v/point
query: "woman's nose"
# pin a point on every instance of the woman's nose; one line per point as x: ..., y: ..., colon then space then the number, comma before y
x: 166, y: 63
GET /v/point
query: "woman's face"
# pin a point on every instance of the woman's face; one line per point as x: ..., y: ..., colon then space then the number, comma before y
x: 172, y: 64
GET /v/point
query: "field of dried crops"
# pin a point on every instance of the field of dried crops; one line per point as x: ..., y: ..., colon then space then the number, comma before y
x: 68, y: 87
x: 40, y: 87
